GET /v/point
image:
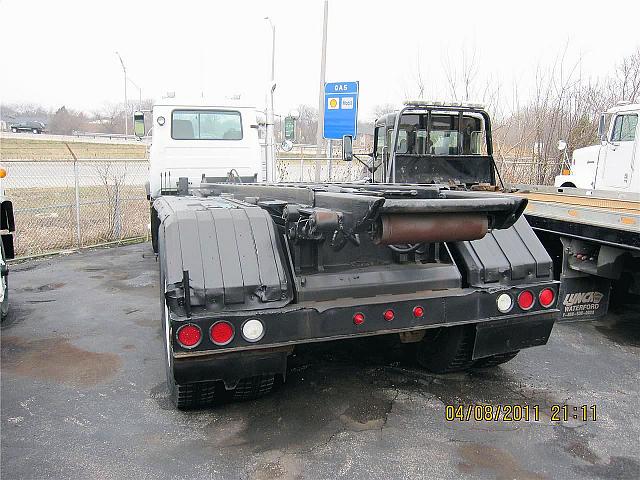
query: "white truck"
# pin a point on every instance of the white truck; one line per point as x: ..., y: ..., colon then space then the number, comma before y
x: 192, y: 139
x: 590, y: 220
x: 615, y: 163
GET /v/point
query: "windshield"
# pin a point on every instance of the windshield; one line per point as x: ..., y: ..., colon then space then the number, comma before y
x: 445, y: 136
x: 206, y: 125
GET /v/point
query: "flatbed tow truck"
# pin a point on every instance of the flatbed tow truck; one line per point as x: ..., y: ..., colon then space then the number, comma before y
x: 590, y: 220
x: 249, y: 270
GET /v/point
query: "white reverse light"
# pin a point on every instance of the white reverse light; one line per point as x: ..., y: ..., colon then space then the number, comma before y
x: 252, y: 330
x: 504, y: 302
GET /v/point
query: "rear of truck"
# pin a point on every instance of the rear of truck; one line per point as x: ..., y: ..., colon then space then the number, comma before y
x: 248, y: 272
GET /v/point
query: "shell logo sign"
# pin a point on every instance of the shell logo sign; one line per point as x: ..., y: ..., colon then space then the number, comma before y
x: 333, y: 103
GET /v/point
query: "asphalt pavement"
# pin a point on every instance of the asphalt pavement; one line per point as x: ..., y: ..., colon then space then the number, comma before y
x: 83, y: 396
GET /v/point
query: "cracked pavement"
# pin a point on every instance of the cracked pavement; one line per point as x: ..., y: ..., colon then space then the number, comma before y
x: 83, y: 396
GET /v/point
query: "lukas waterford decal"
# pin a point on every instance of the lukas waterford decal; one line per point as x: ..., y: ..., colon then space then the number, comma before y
x: 581, y: 303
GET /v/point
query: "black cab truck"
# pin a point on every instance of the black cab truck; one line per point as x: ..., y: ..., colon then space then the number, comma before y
x: 420, y: 250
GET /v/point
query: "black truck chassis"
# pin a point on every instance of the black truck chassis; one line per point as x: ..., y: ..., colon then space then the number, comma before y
x: 313, y: 263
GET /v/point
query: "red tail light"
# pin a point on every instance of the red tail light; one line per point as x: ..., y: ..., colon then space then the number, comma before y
x: 358, y: 318
x: 189, y: 336
x: 389, y: 315
x: 547, y: 297
x: 221, y: 333
x: 418, y: 312
x: 526, y: 299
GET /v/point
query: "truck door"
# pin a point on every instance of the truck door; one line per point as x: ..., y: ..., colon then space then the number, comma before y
x: 380, y: 155
x: 620, y: 151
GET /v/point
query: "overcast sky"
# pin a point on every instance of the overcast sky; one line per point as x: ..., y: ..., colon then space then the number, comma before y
x: 63, y: 52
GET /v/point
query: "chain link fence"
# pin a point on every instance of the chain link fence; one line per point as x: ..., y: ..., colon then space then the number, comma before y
x: 61, y: 204
x: 331, y: 170
x: 528, y: 171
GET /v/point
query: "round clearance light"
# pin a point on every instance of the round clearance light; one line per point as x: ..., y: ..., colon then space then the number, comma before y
x: 526, y: 299
x: 189, y: 336
x: 504, y: 302
x: 388, y: 315
x: 3, y: 173
x: 221, y: 333
x: 160, y: 121
x: 252, y: 330
x: 546, y: 297
x: 358, y: 318
x: 418, y: 312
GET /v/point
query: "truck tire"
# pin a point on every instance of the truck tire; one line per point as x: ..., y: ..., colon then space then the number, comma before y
x: 447, y: 349
x: 155, y: 225
x: 188, y: 395
x: 253, y: 387
x: 494, y: 360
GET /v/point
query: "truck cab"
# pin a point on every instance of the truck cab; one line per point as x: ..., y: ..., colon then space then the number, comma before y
x: 612, y: 165
x: 433, y: 142
x: 192, y: 139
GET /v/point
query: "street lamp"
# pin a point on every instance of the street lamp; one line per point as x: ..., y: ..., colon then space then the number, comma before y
x: 126, y: 104
x: 139, y: 92
x: 271, y: 163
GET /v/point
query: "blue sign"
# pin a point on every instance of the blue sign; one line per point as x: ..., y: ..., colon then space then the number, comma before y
x: 340, y: 110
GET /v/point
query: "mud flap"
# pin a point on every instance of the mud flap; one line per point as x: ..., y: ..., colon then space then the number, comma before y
x: 510, y: 335
x: 584, y: 297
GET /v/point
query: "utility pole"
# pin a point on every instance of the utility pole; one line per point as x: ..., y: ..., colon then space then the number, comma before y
x: 323, y: 67
x: 126, y: 103
x: 270, y: 153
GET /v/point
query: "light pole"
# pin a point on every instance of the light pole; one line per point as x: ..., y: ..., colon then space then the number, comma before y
x: 139, y: 93
x: 323, y: 67
x: 126, y: 103
x: 270, y: 153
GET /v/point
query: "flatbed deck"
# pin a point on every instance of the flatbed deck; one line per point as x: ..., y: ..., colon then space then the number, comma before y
x: 611, y: 218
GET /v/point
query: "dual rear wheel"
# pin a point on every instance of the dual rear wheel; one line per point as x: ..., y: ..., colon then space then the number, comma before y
x: 450, y: 349
x: 203, y: 394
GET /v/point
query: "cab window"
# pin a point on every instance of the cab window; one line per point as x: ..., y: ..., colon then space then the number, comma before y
x: 379, y: 140
x: 624, y: 128
x: 206, y: 125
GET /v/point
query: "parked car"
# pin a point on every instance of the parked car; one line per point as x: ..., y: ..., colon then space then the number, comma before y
x: 33, y: 127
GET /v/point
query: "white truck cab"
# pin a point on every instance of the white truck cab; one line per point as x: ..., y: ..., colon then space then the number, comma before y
x: 615, y: 163
x: 192, y: 139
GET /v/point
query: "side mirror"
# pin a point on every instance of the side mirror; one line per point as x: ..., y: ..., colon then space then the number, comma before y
x: 562, y: 145
x: 347, y: 148
x: 603, y: 139
x: 602, y: 126
x: 138, y: 124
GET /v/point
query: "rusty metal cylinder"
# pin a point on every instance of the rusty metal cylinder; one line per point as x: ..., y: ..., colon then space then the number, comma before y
x: 395, y: 229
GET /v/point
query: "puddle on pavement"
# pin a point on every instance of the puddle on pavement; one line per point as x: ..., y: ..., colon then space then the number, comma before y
x: 477, y: 457
x: 622, y: 328
x: 575, y: 442
x: 55, y: 359
x: 42, y: 288
x: 17, y: 313
x: 347, y: 386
